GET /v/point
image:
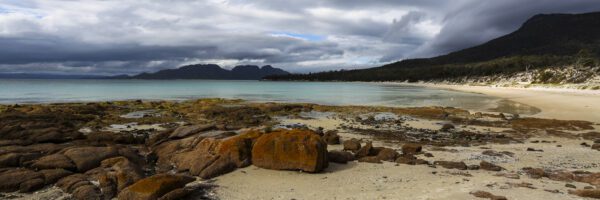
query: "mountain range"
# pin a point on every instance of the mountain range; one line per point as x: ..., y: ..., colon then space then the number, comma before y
x: 199, y: 71
x: 542, y: 41
x: 212, y: 71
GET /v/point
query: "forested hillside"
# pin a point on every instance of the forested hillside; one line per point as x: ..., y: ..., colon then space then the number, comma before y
x: 543, y: 41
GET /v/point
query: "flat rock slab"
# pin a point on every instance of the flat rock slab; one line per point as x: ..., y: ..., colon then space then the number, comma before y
x: 154, y: 187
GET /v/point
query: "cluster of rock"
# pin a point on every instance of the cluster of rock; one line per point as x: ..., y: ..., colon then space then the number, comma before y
x: 354, y: 150
x: 210, y: 154
x: 72, y: 169
x: 595, y: 137
x: 40, y: 127
x: 448, y: 135
x: 569, y: 176
x: 39, y: 150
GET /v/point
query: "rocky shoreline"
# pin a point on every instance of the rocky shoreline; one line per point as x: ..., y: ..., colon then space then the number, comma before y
x: 209, y: 148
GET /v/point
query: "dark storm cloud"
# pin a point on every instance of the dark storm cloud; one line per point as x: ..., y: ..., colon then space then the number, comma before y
x: 24, y: 50
x: 352, y: 4
x: 480, y: 21
x: 116, y: 37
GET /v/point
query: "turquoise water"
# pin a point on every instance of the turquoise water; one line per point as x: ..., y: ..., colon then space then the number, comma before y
x: 333, y: 93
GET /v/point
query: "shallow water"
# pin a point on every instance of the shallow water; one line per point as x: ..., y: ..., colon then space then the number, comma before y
x: 331, y: 93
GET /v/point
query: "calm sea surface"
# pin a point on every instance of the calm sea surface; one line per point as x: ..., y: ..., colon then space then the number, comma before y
x: 334, y: 93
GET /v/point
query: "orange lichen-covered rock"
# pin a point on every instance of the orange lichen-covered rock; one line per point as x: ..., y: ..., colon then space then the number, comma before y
x: 213, y: 157
x: 238, y: 148
x: 154, y: 187
x: 290, y: 150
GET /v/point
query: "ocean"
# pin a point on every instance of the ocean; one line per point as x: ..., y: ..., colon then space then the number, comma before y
x: 23, y: 91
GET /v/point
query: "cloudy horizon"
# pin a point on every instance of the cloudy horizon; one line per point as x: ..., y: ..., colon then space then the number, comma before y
x: 129, y: 37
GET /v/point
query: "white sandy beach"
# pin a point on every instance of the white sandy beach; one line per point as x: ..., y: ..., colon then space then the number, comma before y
x: 556, y: 103
x: 389, y: 180
x: 393, y: 181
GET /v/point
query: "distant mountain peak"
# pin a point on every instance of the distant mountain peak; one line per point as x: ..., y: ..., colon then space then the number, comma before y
x: 267, y: 67
x: 245, y: 67
x: 198, y: 66
x: 213, y: 71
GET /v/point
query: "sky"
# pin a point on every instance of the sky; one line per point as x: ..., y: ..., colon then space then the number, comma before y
x: 130, y: 36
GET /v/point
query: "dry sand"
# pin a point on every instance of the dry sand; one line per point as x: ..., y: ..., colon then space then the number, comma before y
x: 556, y: 103
x: 389, y: 180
